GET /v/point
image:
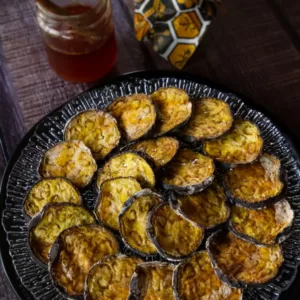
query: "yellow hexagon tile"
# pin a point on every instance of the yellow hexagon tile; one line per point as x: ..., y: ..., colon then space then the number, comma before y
x: 141, y: 26
x: 181, y: 54
x: 159, y: 10
x: 187, y: 25
x: 184, y: 4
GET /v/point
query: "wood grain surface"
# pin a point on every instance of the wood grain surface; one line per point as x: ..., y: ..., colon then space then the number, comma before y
x: 252, y: 47
x: 291, y: 12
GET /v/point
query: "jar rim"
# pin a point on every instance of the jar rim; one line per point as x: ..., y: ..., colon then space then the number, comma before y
x: 51, y: 8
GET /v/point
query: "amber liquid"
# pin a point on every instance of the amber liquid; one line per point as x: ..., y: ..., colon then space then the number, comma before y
x: 84, y: 67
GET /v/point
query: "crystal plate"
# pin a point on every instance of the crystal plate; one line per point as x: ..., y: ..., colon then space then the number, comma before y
x: 33, y: 282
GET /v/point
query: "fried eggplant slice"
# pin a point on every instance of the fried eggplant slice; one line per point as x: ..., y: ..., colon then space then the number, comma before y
x: 45, y: 227
x: 136, y: 115
x: 152, y: 280
x: 194, y: 278
x: 97, y: 129
x: 132, y: 222
x: 240, y: 263
x: 112, y: 196
x: 174, y: 109
x: 50, y: 190
x: 188, y: 173
x: 161, y: 149
x: 256, y: 185
x: 241, y: 145
x: 210, y: 119
x: 263, y: 227
x: 206, y: 209
x: 173, y: 236
x: 110, y: 278
x: 74, y: 252
x: 72, y: 160
x: 127, y: 164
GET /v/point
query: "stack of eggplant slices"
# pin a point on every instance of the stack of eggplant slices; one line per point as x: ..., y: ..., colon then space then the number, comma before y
x: 188, y: 206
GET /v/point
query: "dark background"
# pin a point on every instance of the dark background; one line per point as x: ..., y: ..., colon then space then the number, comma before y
x: 252, y: 47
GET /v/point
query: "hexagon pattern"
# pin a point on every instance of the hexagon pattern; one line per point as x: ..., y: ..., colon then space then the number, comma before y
x: 174, y: 27
x: 139, y: 3
x: 159, y: 10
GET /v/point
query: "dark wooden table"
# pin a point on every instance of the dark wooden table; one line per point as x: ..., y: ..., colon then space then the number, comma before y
x: 252, y: 47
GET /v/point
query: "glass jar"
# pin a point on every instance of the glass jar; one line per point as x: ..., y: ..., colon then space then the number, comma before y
x: 79, y: 37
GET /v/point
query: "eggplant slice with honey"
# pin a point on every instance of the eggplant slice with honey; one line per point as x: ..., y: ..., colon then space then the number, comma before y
x: 174, y: 109
x: 240, y: 263
x: 152, y: 280
x: 136, y: 115
x: 194, y: 278
x: 240, y: 145
x: 97, y: 129
x: 110, y: 278
x: 173, y: 236
x: 210, y: 119
x: 263, y: 227
x: 256, y: 185
x: 112, y: 196
x: 45, y: 227
x: 132, y: 222
x: 50, y: 190
x: 188, y: 173
x: 74, y: 252
x: 72, y: 160
x: 206, y: 209
x: 161, y: 149
x: 127, y: 164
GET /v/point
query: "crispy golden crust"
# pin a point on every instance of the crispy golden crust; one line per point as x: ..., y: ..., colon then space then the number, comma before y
x: 196, y: 279
x: 207, y: 208
x: 80, y: 248
x: 155, y: 281
x: 175, y: 235
x: 113, y: 194
x: 50, y: 190
x: 133, y: 223
x: 71, y: 159
x: 110, y: 278
x: 241, y: 145
x: 55, y: 219
x: 97, y: 129
x: 174, y: 108
x: 262, y: 225
x: 188, y: 168
x: 242, y: 261
x: 255, y: 182
x: 161, y: 149
x: 211, y: 118
x: 135, y: 114
x: 127, y: 165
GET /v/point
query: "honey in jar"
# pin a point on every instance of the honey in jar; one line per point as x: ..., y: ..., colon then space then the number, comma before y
x: 79, y: 37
